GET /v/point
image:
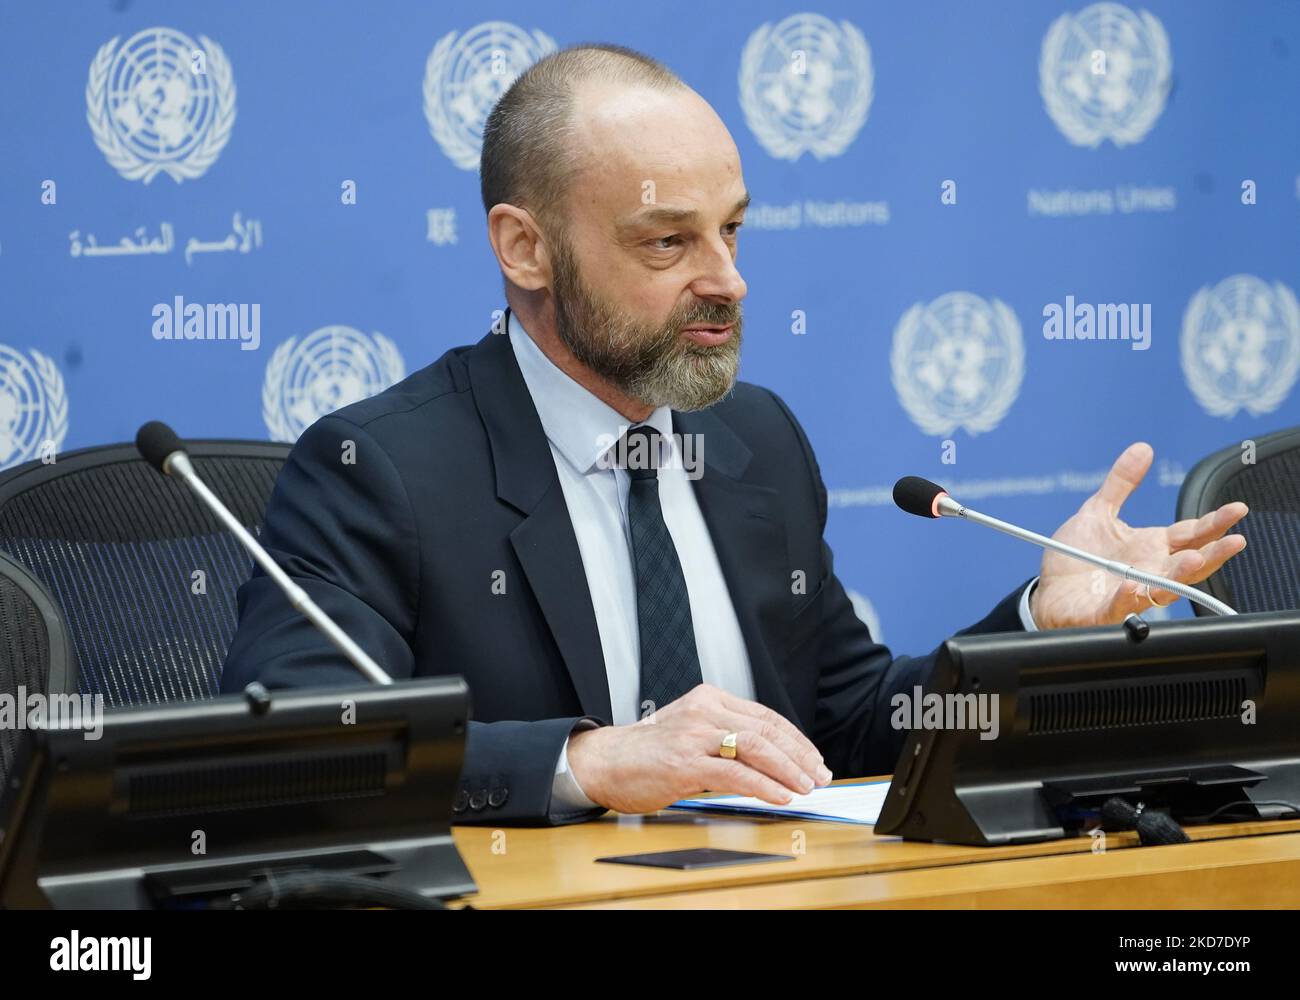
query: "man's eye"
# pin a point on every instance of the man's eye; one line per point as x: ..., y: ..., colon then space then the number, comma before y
x: 732, y: 228
x: 665, y: 242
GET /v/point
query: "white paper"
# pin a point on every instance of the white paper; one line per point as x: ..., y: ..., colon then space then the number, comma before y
x: 859, y: 803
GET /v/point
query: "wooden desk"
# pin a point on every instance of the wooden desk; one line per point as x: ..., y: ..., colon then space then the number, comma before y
x: 842, y: 865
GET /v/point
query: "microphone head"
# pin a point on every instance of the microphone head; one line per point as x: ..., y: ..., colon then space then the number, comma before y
x: 1153, y: 826
x: 1119, y: 813
x: 1156, y: 827
x: 918, y: 496
x: 156, y: 441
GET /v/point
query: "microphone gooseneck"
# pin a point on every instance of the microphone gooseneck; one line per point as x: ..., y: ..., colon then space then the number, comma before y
x: 162, y: 448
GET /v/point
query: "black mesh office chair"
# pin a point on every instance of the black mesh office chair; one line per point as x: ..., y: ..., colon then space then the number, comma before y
x: 35, y: 654
x: 145, y: 577
x: 1266, y: 576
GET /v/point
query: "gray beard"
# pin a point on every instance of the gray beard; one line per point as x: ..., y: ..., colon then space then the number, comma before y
x: 653, y: 364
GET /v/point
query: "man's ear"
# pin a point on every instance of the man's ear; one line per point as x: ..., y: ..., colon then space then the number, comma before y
x: 520, y: 247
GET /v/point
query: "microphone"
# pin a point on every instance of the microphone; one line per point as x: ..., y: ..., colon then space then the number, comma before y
x: 162, y: 449
x: 1153, y: 827
x: 926, y: 499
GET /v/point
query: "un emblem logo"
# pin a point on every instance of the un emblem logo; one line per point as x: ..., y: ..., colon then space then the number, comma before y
x: 161, y: 103
x: 33, y: 407
x: 326, y: 370
x: 806, y: 86
x: 1104, y: 73
x: 1241, y: 346
x: 958, y: 362
x: 466, y: 75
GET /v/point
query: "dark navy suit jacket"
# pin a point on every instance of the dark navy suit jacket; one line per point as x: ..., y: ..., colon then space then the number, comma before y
x: 452, y: 491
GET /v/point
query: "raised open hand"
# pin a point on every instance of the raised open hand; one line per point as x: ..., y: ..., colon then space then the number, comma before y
x: 1071, y: 593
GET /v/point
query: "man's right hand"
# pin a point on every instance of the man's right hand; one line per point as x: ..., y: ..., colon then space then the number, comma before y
x: 676, y: 753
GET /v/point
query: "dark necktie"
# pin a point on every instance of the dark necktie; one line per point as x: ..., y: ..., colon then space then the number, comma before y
x: 670, y: 665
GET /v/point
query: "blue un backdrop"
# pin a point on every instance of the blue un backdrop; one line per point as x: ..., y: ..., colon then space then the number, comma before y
x: 930, y: 181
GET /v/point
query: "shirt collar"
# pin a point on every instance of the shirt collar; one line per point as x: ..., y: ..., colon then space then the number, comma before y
x: 581, y: 426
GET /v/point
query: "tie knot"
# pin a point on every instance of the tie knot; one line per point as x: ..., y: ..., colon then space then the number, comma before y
x: 639, y: 452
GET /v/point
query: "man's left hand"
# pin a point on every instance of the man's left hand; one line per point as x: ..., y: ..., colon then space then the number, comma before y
x: 1070, y: 592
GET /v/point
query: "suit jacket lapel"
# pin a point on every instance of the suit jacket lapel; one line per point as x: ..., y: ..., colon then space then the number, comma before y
x: 748, y: 533
x: 544, y: 541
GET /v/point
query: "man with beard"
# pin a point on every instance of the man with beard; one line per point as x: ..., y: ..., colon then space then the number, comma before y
x: 521, y: 511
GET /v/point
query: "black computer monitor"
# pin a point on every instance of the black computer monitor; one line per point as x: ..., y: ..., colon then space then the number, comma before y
x: 1186, y: 717
x: 180, y: 803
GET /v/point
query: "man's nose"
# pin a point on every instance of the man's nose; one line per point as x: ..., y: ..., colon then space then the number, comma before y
x: 719, y: 280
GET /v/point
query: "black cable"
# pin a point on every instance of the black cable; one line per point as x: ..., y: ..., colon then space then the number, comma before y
x: 1156, y: 827
x: 1247, y: 802
x: 324, y: 890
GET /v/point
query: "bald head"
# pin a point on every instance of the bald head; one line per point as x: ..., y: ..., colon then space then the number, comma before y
x: 532, y: 141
